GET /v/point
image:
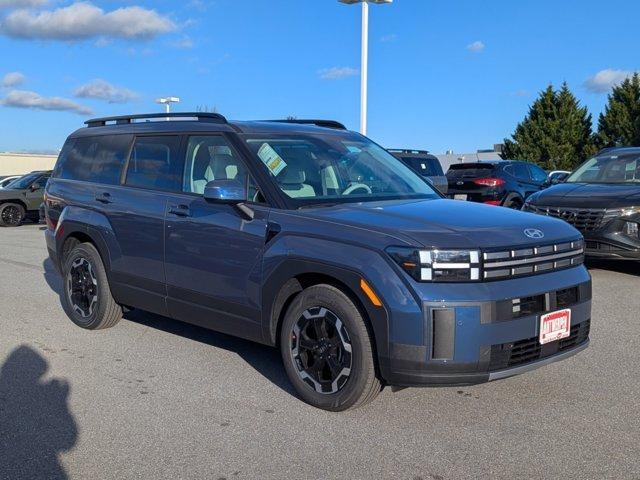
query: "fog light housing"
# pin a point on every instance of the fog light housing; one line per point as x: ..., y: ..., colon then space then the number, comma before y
x: 631, y: 229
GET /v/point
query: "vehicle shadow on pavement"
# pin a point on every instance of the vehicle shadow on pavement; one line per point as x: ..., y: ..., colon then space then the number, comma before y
x: 36, y: 424
x: 628, y: 267
x: 265, y: 360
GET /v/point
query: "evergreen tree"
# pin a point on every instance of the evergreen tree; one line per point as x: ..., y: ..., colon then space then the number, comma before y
x: 619, y: 124
x: 555, y: 134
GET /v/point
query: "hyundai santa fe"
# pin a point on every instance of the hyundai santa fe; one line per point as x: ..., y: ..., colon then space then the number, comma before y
x: 313, y: 239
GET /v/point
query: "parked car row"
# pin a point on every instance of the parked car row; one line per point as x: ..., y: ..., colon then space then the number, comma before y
x: 302, y: 235
x: 21, y: 198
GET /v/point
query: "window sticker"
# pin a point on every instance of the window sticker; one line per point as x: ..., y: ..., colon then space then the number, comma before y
x: 271, y: 159
x: 424, y: 167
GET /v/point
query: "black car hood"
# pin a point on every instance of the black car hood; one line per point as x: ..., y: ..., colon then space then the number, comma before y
x: 447, y: 223
x: 588, y: 195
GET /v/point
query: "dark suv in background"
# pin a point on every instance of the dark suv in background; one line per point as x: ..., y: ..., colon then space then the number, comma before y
x: 424, y: 164
x: 602, y: 200
x: 314, y: 239
x: 498, y: 182
x: 21, y: 199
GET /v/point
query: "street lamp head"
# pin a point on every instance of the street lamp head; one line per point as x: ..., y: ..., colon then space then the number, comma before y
x: 166, y: 100
x: 351, y: 2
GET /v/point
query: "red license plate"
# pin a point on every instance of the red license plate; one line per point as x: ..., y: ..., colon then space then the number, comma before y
x: 555, y: 326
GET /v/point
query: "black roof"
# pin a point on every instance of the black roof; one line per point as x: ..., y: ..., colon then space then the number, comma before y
x: 199, y: 122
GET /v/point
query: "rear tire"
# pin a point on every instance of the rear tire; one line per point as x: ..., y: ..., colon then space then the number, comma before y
x: 11, y: 214
x: 327, y: 350
x: 86, y: 297
x: 513, y: 203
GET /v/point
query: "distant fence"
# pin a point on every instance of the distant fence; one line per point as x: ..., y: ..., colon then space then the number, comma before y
x: 19, y: 163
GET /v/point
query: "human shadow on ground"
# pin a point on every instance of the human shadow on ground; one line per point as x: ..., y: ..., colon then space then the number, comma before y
x: 265, y: 360
x: 36, y: 424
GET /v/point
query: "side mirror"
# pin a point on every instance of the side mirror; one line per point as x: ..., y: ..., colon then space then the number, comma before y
x: 230, y: 192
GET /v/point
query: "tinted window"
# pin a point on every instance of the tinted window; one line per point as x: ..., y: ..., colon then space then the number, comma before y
x: 538, y: 175
x: 469, y: 170
x: 24, y: 182
x: 609, y: 169
x: 94, y: 159
x: 521, y: 171
x: 429, y: 167
x: 155, y: 163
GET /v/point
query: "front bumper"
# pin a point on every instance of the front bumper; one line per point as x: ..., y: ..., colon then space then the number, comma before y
x: 474, y: 341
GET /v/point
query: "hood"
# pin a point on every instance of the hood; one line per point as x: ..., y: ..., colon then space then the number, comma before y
x: 447, y: 223
x: 588, y: 195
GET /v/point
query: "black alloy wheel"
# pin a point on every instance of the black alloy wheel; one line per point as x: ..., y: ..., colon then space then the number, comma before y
x: 11, y: 215
x: 82, y: 287
x: 321, y: 350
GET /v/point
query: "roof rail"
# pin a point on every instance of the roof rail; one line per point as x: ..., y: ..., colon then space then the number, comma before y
x: 320, y: 123
x: 407, y: 150
x: 127, y: 119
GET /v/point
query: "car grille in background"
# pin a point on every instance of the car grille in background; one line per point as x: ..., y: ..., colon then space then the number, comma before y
x: 584, y: 219
x: 513, y: 354
x: 532, y: 260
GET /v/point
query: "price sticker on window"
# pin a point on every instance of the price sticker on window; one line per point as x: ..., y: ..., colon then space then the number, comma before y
x: 271, y: 159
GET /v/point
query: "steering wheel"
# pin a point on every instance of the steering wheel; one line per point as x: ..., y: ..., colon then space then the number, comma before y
x: 357, y: 186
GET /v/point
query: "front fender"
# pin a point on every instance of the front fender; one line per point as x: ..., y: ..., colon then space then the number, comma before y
x: 293, y: 255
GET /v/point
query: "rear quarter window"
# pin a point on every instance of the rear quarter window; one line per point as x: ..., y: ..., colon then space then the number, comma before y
x: 94, y: 159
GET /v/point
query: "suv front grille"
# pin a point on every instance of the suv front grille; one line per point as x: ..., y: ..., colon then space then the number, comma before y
x: 532, y: 260
x: 513, y: 354
x: 584, y: 219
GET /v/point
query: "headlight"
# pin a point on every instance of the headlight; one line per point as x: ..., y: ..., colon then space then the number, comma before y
x: 438, y: 265
x: 611, y: 213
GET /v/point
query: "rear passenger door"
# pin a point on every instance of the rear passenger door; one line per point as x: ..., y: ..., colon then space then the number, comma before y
x: 213, y: 254
x: 136, y: 213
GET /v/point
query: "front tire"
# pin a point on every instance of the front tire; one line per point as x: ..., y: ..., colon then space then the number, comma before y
x: 327, y: 350
x: 87, y: 298
x: 11, y: 214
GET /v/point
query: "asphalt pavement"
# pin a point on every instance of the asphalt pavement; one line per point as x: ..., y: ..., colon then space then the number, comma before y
x: 153, y: 398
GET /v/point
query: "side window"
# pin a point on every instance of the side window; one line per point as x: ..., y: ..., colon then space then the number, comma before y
x: 94, y: 159
x: 209, y: 157
x: 521, y: 171
x: 155, y: 163
x: 538, y: 175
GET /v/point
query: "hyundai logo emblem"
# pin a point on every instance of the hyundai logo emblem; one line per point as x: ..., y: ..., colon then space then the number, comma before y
x: 534, y: 233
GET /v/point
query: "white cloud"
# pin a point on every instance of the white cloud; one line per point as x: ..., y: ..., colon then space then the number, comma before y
x: 21, y: 3
x: 12, y: 79
x: 33, y: 100
x: 605, y: 80
x: 102, y: 90
x: 336, y: 73
x: 392, y: 37
x: 185, y: 42
x: 82, y: 20
x: 476, y: 47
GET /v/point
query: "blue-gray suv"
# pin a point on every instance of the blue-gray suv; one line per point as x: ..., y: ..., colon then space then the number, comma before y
x: 305, y: 236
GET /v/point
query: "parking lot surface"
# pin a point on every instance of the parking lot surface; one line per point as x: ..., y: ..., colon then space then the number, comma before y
x: 154, y: 398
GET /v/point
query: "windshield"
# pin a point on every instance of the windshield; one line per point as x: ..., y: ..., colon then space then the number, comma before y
x: 324, y: 168
x: 609, y: 169
x: 23, y: 182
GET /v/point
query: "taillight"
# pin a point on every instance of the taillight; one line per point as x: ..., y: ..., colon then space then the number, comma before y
x: 492, y: 202
x: 489, y: 182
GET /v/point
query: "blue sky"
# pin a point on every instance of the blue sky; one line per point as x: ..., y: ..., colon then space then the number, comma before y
x: 454, y: 74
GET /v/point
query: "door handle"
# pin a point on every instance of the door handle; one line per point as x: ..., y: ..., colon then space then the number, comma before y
x: 104, y: 197
x: 180, y: 210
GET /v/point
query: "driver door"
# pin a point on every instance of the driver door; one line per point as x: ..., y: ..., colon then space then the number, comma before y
x: 35, y: 193
x: 213, y: 254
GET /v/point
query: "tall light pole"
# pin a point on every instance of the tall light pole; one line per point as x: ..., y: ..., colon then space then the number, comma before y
x: 167, y: 101
x: 364, y: 59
